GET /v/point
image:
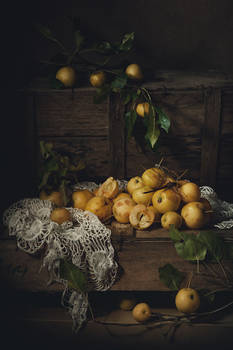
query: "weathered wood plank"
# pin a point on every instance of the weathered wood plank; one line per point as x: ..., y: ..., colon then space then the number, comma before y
x: 210, y: 137
x: 139, y: 261
x: 117, y: 140
x: 73, y: 114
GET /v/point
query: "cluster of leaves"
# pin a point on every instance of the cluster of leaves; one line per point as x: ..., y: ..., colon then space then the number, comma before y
x: 197, y: 247
x: 57, y: 170
x: 111, y: 58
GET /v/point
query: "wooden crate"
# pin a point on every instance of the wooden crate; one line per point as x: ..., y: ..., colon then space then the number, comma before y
x: 139, y: 254
x: 200, y: 107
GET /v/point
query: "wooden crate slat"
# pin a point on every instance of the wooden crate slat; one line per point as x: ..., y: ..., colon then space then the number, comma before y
x: 73, y: 114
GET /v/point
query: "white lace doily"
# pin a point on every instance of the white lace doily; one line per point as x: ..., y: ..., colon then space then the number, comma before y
x: 85, y: 241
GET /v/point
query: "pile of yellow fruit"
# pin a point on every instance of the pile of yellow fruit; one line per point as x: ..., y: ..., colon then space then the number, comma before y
x: 153, y: 197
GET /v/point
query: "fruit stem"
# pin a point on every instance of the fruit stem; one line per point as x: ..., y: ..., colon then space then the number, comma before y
x: 182, y: 174
x: 190, y: 279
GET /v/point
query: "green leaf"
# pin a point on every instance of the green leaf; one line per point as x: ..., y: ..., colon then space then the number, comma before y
x: 191, y: 248
x: 75, y: 277
x: 46, y: 32
x: 153, y: 131
x: 175, y: 234
x: 163, y: 119
x: 213, y: 243
x: 79, y: 39
x: 127, y: 42
x: 170, y: 276
x: 119, y: 82
x: 130, y: 119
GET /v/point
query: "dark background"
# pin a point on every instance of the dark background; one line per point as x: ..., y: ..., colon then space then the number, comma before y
x: 169, y: 34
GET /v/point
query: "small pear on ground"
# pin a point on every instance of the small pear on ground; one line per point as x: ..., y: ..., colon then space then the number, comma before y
x: 127, y: 304
x: 60, y: 215
x: 187, y: 300
x: 141, y: 312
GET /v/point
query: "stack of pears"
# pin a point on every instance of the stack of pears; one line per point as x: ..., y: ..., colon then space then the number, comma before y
x: 153, y: 197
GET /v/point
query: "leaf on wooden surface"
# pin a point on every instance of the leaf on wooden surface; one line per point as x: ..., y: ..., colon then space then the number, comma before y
x: 170, y: 276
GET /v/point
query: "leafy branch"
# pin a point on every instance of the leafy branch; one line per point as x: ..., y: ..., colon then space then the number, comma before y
x: 57, y: 170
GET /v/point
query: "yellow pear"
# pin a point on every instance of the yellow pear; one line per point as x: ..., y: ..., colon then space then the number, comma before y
x: 67, y: 76
x: 122, y: 208
x: 189, y: 192
x: 141, y: 217
x: 187, y: 300
x: 143, y: 195
x: 194, y: 215
x: 166, y: 200
x: 80, y: 198
x: 101, y: 207
x: 142, y: 109
x: 134, y: 183
x: 171, y: 218
x: 141, y: 312
x: 60, y: 215
x: 55, y: 197
x: 134, y: 72
x: 153, y: 177
x: 108, y: 189
x: 97, y: 79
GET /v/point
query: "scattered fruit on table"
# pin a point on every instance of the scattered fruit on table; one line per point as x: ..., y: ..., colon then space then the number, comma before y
x: 187, y: 300
x: 143, y: 195
x: 134, y: 72
x: 55, y: 197
x: 98, y: 79
x: 101, y: 207
x: 195, y: 214
x: 134, y: 183
x: 60, y: 215
x: 171, y: 218
x: 142, y: 109
x: 141, y: 217
x: 108, y: 189
x: 189, y: 192
x: 127, y: 304
x: 67, y: 76
x: 122, y: 208
x: 166, y: 200
x: 80, y: 198
x: 141, y: 312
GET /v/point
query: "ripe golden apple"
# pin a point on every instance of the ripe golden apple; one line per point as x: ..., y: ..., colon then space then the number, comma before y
x: 60, y: 215
x: 190, y: 192
x: 97, y: 79
x: 80, y: 198
x: 187, y: 300
x: 194, y: 215
x: 156, y: 212
x: 67, y: 76
x: 141, y: 217
x: 141, y: 312
x: 142, y: 109
x: 121, y: 195
x: 134, y: 183
x: 55, y: 197
x: 134, y: 72
x: 122, y: 208
x: 140, y: 196
x: 171, y: 218
x: 166, y: 200
x: 153, y: 177
x: 127, y: 304
x: 101, y: 207
x: 108, y: 189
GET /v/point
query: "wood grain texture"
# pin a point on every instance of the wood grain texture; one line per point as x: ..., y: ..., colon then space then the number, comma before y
x: 139, y: 259
x: 70, y: 114
x: 210, y: 137
x: 117, y: 140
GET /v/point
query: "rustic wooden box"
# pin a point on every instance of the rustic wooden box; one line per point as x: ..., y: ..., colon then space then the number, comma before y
x: 200, y: 107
